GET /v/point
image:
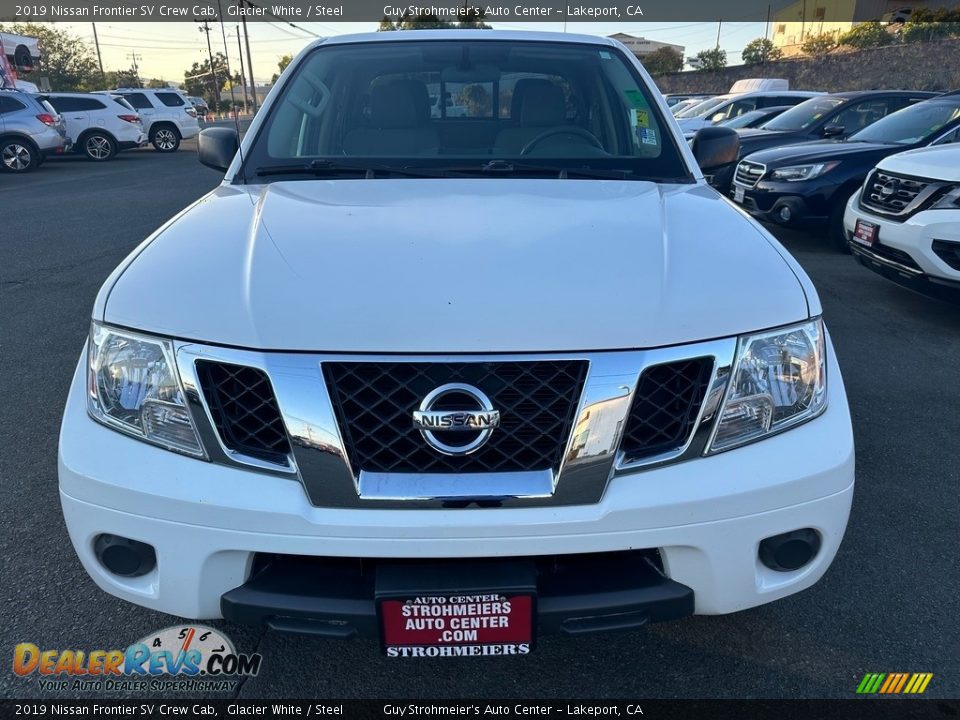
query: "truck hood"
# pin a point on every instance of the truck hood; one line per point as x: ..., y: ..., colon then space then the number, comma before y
x: 464, y: 265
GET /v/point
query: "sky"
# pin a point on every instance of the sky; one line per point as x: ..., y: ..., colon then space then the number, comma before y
x: 166, y: 50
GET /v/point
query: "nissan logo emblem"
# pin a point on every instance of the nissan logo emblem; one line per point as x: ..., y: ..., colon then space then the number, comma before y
x: 445, y: 413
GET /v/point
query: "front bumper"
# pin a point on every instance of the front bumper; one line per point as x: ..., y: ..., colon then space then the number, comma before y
x: 705, y: 518
x: 912, y: 253
x: 805, y: 201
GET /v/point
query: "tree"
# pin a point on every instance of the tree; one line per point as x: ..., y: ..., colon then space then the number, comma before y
x: 468, y: 17
x: 67, y: 61
x: 663, y: 60
x: 198, y: 80
x: 760, y: 51
x: 282, y: 64
x: 819, y: 45
x: 925, y: 25
x: 157, y: 83
x: 866, y: 35
x: 711, y: 60
x: 120, y: 78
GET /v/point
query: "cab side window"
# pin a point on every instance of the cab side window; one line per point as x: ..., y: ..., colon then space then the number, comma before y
x: 138, y: 100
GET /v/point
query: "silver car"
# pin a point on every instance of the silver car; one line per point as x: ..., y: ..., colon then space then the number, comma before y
x: 30, y: 130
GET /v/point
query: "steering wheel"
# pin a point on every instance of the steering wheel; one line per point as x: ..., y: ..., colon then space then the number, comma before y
x: 573, y: 130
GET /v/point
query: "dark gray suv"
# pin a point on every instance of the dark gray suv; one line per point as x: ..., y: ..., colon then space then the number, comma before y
x: 30, y: 130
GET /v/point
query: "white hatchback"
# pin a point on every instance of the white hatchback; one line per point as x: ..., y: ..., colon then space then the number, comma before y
x: 99, y: 125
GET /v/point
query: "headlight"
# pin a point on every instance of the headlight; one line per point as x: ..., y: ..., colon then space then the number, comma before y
x: 950, y: 201
x: 132, y: 386
x: 779, y: 379
x: 795, y: 173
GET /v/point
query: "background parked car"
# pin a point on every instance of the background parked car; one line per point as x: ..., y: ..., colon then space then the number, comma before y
x: 166, y: 114
x: 813, y: 181
x: 675, y: 98
x: 826, y: 116
x: 724, y: 107
x: 30, y: 130
x: 99, y: 125
x: 904, y: 223
x: 200, y: 105
x: 753, y: 118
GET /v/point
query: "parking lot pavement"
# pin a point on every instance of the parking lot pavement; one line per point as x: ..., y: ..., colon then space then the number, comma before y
x: 889, y: 603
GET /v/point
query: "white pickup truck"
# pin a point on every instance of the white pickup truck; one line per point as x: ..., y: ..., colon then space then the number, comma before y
x: 455, y: 382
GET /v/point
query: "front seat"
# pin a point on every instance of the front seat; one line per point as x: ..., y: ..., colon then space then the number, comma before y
x: 537, y: 106
x: 399, y: 122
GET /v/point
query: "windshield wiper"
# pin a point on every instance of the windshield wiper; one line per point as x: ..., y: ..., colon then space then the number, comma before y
x: 318, y: 168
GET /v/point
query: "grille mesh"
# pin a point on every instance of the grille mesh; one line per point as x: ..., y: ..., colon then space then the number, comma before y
x: 749, y: 173
x: 892, y: 195
x: 665, y: 407
x: 244, y: 410
x: 374, y: 402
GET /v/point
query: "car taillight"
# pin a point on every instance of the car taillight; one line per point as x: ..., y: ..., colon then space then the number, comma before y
x: 130, y: 118
x: 47, y: 119
x: 191, y: 112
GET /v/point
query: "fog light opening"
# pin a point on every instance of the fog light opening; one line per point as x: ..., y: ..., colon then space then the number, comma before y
x: 123, y: 556
x: 785, y: 214
x: 790, y: 551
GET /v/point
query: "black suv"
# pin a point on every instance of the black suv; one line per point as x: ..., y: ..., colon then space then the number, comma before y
x: 795, y: 184
x: 826, y: 116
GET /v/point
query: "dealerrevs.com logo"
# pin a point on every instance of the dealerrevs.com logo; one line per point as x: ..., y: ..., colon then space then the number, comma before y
x: 181, y: 657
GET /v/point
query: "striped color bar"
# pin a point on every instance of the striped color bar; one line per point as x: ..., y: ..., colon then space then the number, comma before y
x: 894, y: 683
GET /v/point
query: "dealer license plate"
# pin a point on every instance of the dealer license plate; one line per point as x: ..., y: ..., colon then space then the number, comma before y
x: 738, y: 194
x: 457, y: 625
x: 865, y: 233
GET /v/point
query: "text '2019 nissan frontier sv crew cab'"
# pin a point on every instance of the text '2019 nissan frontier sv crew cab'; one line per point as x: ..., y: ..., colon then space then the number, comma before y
x: 456, y: 381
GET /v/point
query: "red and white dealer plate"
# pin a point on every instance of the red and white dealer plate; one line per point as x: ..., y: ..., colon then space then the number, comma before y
x: 457, y: 625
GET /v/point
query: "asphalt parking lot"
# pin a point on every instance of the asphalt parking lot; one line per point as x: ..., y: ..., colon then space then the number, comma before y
x: 889, y: 603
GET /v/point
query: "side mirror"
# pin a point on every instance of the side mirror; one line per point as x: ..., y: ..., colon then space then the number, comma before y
x: 217, y: 146
x: 714, y: 147
x: 833, y: 131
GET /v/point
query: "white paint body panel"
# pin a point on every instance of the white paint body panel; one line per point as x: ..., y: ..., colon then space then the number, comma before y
x: 471, y: 265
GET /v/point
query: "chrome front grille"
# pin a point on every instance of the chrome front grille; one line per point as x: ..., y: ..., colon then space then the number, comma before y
x: 749, y: 173
x: 342, y: 425
x: 375, y: 401
x: 899, y: 196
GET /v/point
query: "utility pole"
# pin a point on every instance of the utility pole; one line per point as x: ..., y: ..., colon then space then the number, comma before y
x: 226, y: 54
x: 719, y: 25
x: 253, y: 83
x: 243, y: 73
x: 134, y: 57
x: 213, y: 70
x: 96, y: 41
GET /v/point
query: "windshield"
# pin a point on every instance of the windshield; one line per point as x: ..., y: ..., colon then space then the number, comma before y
x: 913, y: 124
x: 804, y: 115
x: 454, y: 106
x: 744, y: 120
x: 702, y: 108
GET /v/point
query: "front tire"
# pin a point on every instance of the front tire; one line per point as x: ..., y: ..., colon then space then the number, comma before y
x: 99, y: 147
x: 18, y: 156
x: 165, y: 139
x: 836, y: 233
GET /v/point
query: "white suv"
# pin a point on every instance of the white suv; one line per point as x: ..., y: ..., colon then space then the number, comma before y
x: 167, y: 115
x: 100, y: 125
x: 451, y: 382
x: 904, y: 223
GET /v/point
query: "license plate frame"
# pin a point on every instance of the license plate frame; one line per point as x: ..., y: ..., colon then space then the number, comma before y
x: 865, y: 233
x: 738, y: 194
